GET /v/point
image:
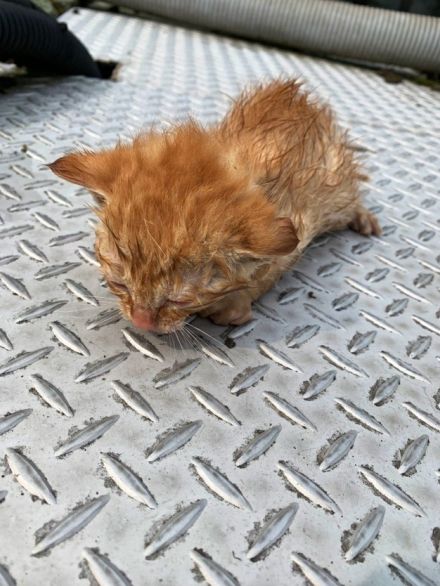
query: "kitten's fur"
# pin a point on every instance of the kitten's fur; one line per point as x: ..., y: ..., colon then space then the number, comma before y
x: 205, y: 220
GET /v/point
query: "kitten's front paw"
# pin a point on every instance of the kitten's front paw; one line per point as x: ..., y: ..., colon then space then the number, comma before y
x: 233, y: 310
x: 232, y: 316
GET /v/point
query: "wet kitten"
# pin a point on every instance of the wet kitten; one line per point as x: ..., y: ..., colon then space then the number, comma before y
x: 204, y: 221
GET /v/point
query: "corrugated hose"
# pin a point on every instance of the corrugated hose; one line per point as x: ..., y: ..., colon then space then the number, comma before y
x: 325, y: 26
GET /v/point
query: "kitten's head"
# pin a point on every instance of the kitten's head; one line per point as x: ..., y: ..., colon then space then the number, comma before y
x: 181, y: 226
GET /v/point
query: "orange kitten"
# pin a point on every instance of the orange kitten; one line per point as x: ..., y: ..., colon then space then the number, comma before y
x: 204, y: 221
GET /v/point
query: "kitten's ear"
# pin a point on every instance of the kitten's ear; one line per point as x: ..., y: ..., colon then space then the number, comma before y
x: 278, y: 239
x: 95, y: 171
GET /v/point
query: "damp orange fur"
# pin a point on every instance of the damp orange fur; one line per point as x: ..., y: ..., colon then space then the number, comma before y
x: 205, y: 220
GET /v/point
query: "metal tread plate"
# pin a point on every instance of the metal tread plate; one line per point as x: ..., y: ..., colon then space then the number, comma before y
x: 306, y: 447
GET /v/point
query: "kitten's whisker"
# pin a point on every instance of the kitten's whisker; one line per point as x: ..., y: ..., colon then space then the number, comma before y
x: 191, y: 339
x: 199, y: 348
x: 176, y: 349
x: 203, y: 332
x: 186, y: 341
x: 174, y: 342
x: 215, y: 344
x: 170, y: 341
x: 180, y: 343
x: 195, y: 343
x: 185, y: 330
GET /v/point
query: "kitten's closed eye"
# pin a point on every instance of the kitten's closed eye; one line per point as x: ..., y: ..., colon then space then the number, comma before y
x: 178, y: 302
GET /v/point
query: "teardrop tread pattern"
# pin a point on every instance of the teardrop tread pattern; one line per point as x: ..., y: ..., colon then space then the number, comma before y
x: 300, y: 446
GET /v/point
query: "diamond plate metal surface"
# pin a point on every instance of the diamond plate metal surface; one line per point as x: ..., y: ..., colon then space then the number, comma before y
x: 302, y: 446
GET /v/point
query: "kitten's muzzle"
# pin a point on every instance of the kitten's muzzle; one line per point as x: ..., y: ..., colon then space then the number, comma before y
x: 148, y: 320
x: 144, y: 319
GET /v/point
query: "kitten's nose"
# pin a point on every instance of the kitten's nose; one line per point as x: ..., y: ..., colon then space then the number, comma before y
x: 143, y: 318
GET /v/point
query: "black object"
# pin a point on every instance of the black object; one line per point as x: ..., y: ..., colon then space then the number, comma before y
x: 30, y: 37
x: 426, y: 7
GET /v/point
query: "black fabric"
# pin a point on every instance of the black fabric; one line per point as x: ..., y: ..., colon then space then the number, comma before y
x: 25, y: 3
x: 30, y: 37
x: 426, y: 7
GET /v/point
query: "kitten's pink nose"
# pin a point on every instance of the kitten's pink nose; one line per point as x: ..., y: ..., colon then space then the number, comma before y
x: 143, y: 318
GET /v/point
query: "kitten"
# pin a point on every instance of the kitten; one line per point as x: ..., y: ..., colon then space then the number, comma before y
x: 205, y: 220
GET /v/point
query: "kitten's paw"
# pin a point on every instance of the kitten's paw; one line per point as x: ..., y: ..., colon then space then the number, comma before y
x: 365, y: 223
x: 235, y: 309
x: 232, y: 316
